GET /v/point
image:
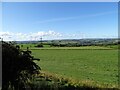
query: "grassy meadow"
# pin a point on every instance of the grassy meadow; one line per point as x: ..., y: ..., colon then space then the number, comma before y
x: 93, y: 65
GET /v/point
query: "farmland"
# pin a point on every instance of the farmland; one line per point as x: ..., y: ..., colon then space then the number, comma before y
x: 98, y: 66
x: 94, y: 65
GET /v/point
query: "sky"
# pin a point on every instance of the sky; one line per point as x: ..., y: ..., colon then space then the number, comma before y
x: 59, y: 20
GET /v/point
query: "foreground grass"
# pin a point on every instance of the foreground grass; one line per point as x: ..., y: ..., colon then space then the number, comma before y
x: 96, y: 66
x: 48, y: 81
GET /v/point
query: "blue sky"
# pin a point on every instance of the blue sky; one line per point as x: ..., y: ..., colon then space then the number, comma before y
x: 59, y: 20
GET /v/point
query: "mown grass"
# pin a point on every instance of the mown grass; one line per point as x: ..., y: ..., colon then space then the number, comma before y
x: 96, y: 66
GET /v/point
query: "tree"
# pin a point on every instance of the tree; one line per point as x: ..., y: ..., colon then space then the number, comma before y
x: 17, y: 67
x: 39, y: 45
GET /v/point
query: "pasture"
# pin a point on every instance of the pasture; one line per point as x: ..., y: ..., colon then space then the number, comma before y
x: 89, y: 65
x: 95, y: 65
x: 32, y: 46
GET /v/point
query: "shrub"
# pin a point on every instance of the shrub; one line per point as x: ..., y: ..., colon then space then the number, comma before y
x: 39, y: 45
x: 17, y: 67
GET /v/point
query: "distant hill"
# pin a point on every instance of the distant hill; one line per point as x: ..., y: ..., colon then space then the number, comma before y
x: 78, y: 42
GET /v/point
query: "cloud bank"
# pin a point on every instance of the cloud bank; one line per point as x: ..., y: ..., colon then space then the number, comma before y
x: 46, y: 35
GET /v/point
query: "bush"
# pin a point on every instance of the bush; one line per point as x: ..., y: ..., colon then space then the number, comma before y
x: 17, y: 67
x: 39, y: 45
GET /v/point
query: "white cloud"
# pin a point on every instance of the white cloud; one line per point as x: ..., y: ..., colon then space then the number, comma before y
x: 30, y: 36
x: 47, y: 35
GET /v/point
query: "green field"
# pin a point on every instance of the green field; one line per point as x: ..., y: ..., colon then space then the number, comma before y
x: 97, y: 65
x: 94, y: 65
x: 32, y: 46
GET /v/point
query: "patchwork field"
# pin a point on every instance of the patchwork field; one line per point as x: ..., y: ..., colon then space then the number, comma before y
x: 93, y: 65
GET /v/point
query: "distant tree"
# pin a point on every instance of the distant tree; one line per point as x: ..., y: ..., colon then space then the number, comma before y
x: 39, y: 45
x: 118, y: 42
x: 21, y: 45
x: 17, y: 67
